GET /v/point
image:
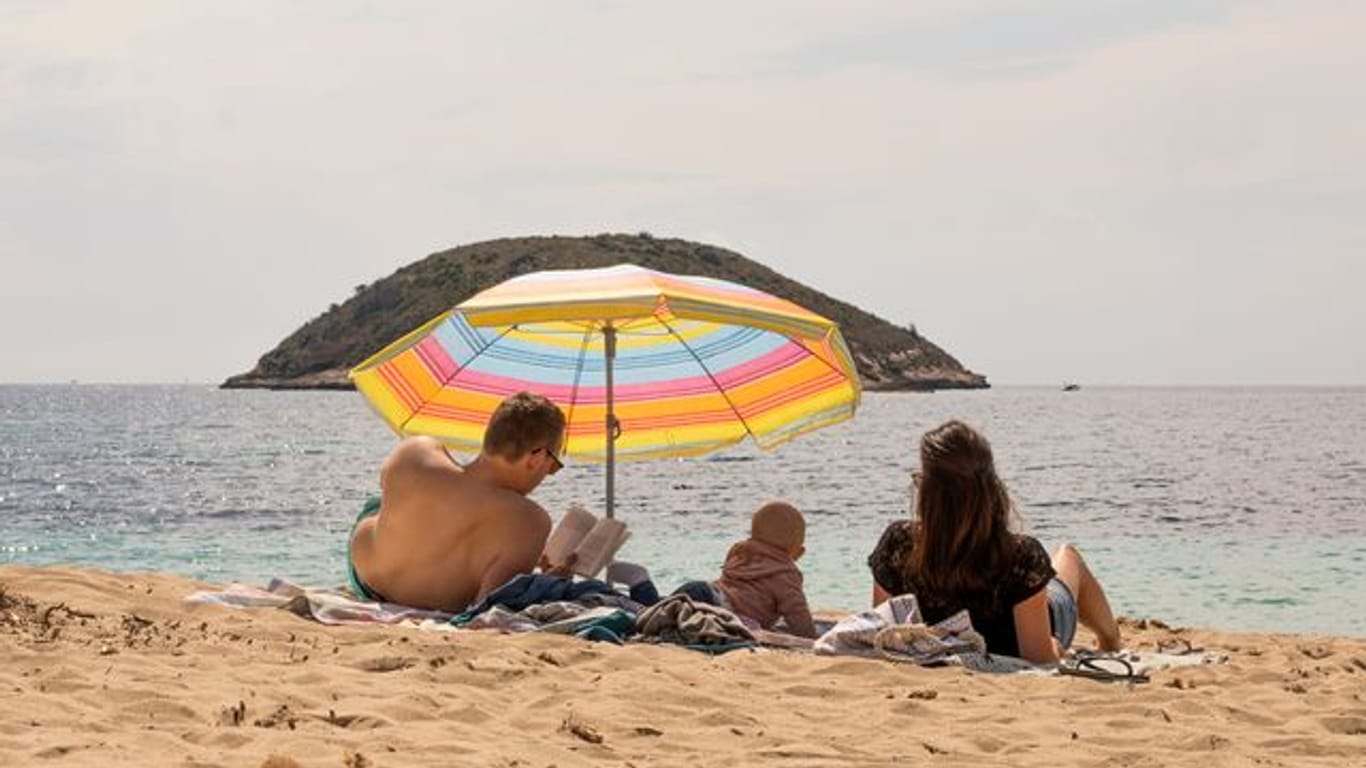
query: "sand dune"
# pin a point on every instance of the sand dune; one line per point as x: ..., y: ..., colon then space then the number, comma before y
x: 115, y: 669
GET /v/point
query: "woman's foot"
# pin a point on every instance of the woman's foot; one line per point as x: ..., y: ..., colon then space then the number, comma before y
x: 1109, y: 640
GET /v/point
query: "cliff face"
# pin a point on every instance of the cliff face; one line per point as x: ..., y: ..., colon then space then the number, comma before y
x: 318, y: 355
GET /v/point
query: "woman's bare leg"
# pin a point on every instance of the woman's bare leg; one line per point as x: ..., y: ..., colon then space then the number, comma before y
x: 1093, y: 609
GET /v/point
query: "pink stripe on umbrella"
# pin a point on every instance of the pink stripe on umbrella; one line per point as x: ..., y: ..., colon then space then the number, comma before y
x: 435, y: 357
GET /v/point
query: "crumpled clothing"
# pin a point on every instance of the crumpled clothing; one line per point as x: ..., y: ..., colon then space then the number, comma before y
x: 678, y: 619
x: 528, y: 589
x: 560, y: 617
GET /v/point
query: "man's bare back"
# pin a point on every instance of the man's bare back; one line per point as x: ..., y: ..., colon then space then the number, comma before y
x: 446, y: 535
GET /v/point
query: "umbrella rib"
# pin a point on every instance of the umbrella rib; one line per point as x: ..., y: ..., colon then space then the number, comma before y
x: 809, y: 354
x: 719, y: 389
x: 486, y: 347
x: 578, y: 378
x: 825, y: 362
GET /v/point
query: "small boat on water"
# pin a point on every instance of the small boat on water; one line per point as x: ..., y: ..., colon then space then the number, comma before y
x: 1070, y: 387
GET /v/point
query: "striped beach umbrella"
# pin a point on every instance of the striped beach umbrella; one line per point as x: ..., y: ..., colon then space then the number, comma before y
x: 644, y: 364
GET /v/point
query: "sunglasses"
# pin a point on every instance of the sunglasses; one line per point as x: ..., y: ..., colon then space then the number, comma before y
x: 557, y: 465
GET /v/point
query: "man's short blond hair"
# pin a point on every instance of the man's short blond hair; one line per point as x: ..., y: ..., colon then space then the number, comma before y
x: 523, y: 423
x: 780, y: 524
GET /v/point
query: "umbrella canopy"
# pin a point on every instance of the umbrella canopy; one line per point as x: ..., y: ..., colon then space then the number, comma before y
x: 644, y: 364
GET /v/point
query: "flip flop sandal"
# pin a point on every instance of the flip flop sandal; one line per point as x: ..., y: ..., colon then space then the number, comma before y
x: 1177, y: 646
x: 1103, y: 668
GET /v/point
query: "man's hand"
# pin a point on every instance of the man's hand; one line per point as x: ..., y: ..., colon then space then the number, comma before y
x: 563, y: 570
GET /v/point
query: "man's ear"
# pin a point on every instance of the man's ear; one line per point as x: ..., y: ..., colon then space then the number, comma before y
x: 535, y: 460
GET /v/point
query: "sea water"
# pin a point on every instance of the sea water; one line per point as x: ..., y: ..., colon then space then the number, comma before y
x: 1239, y: 508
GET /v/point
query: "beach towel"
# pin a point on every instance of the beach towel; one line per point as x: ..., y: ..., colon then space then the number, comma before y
x: 894, y: 630
x: 326, y: 606
x: 679, y: 620
x: 1132, y: 665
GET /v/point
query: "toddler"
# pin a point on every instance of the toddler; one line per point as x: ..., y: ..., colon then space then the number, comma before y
x: 760, y: 580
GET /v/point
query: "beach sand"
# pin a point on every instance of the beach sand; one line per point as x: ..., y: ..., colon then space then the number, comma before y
x: 108, y: 669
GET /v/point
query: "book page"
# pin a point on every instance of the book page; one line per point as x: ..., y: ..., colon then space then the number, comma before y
x: 621, y: 540
x: 568, y: 533
x: 599, y: 546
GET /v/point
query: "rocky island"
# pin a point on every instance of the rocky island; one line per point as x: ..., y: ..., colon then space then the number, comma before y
x: 318, y: 355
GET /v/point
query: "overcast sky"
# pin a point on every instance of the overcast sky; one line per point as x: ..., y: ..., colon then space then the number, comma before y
x: 1108, y: 192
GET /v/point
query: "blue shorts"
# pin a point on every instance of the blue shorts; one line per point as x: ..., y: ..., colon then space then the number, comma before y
x: 1062, y: 613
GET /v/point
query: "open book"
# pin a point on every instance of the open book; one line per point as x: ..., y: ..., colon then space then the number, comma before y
x: 595, y: 540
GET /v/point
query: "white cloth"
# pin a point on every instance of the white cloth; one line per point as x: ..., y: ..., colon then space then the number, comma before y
x: 894, y: 630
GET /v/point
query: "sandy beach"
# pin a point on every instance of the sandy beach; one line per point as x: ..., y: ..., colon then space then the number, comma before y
x: 116, y: 669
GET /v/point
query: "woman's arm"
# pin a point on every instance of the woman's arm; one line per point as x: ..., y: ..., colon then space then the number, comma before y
x: 1032, y: 631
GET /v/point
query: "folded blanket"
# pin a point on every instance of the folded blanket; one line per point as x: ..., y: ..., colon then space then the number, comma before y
x: 677, y: 619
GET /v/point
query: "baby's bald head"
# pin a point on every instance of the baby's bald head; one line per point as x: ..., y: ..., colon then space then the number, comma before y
x: 780, y: 524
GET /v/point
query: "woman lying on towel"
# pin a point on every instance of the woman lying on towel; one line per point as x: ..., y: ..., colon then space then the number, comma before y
x: 959, y: 552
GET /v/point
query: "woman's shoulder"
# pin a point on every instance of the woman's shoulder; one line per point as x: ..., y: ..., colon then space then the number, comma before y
x: 902, y: 524
x: 1029, y: 553
x: 1032, y: 566
x: 899, y: 534
x: 888, y: 558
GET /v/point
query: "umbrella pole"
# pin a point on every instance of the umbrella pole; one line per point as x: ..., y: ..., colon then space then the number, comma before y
x: 609, y: 339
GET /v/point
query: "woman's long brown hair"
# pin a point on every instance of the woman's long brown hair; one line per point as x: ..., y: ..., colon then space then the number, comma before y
x: 963, y: 514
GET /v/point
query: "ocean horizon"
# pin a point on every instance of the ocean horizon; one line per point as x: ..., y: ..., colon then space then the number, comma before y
x: 218, y: 384
x: 1230, y: 507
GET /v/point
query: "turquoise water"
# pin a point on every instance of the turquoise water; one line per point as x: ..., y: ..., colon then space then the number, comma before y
x: 1228, y: 508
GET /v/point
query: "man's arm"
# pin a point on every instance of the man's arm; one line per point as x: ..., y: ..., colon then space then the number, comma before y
x: 521, y: 543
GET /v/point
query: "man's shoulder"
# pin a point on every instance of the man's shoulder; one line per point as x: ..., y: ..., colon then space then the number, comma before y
x: 418, y: 446
x: 415, y: 453
x: 535, y: 512
x: 513, y: 507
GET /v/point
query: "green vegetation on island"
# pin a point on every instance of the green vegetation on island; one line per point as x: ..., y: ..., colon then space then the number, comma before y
x: 319, y: 354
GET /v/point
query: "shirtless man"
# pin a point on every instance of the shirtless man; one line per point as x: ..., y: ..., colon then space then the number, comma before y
x: 445, y: 535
